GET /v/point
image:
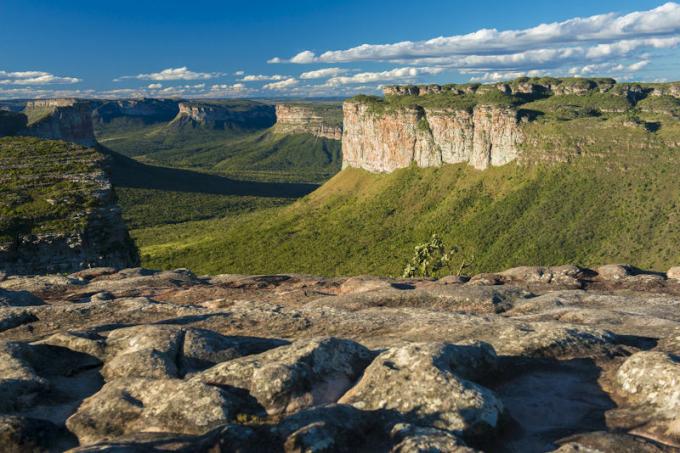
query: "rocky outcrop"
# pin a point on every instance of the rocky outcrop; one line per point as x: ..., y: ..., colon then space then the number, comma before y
x: 61, y: 214
x: 69, y: 120
x: 169, y: 361
x: 308, y: 119
x: 427, y: 137
x: 224, y: 115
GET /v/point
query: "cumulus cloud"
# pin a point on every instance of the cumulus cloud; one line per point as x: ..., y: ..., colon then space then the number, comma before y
x: 155, y: 86
x: 397, y: 74
x: 182, y: 73
x: 282, y: 85
x: 323, y: 73
x: 580, y: 41
x: 263, y: 78
x: 34, y: 78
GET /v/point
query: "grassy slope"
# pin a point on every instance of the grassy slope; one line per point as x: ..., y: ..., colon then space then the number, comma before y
x: 259, y: 154
x: 151, y: 195
x: 617, y: 202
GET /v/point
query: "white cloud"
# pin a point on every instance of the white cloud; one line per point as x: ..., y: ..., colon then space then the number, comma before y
x: 182, y: 73
x: 282, y: 85
x: 155, y: 86
x: 552, y: 47
x: 323, y: 73
x: 304, y: 57
x: 397, y: 74
x: 659, y: 22
x: 34, y: 78
x: 263, y: 78
x: 239, y: 73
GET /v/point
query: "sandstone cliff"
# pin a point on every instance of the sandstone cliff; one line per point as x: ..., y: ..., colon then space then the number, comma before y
x: 147, y: 110
x: 225, y: 115
x: 69, y: 120
x: 484, y: 125
x: 318, y: 120
x: 58, y: 212
x: 489, y: 135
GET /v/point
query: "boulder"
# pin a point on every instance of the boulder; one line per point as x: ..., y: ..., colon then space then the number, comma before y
x: 20, y: 384
x: 651, y: 378
x: 614, y: 272
x: 673, y: 273
x: 287, y: 379
x: 95, y: 347
x: 428, y: 384
x: 606, y: 442
x: 409, y: 438
x: 202, y: 349
x: 25, y: 434
x: 127, y: 406
x: 147, y: 351
x: 361, y: 284
x: 328, y: 428
x: 18, y: 299
x: 12, y: 319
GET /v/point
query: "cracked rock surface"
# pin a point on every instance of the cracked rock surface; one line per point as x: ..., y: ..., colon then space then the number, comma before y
x: 530, y: 359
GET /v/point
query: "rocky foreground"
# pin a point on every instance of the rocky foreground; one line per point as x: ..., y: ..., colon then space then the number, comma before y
x: 532, y: 359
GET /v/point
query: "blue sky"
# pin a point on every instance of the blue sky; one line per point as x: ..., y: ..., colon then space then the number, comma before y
x: 206, y: 48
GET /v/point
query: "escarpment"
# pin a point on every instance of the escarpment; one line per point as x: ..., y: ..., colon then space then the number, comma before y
x: 488, y: 125
x: 224, y: 115
x: 146, y: 110
x: 69, y: 120
x: 318, y: 120
x: 489, y: 135
x: 57, y: 209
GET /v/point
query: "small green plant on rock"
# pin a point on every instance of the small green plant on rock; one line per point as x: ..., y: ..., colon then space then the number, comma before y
x: 429, y: 258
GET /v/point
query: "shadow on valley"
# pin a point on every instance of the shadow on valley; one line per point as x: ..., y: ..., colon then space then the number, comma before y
x: 127, y: 172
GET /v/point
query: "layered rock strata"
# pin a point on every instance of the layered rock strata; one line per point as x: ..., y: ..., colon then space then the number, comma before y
x: 249, y: 115
x: 69, y: 120
x: 301, y: 119
x: 429, y: 137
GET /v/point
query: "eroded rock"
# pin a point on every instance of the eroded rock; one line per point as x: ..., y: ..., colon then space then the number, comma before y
x: 290, y: 378
x: 427, y: 384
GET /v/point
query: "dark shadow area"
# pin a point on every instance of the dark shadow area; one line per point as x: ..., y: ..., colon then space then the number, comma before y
x: 127, y: 172
x: 547, y: 400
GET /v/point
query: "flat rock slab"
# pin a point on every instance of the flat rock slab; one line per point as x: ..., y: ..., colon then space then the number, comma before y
x: 531, y: 359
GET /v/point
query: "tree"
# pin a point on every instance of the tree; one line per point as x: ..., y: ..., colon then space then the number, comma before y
x: 429, y: 258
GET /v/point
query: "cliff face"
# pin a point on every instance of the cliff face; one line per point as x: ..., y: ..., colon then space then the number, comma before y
x: 489, y: 135
x: 58, y: 213
x: 225, y: 115
x: 295, y: 118
x: 148, y: 110
x: 69, y: 120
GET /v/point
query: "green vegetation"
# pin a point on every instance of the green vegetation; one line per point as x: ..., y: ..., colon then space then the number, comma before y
x: 258, y: 155
x: 429, y: 259
x: 46, y: 186
x: 151, y: 195
x: 37, y: 114
x: 614, y: 198
x: 445, y: 100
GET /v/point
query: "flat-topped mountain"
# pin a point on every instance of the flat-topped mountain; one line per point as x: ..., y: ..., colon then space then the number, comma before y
x: 57, y: 209
x: 488, y: 125
x: 224, y: 115
x: 61, y: 119
x: 145, y: 111
x: 320, y: 120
